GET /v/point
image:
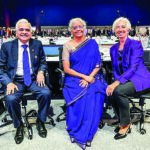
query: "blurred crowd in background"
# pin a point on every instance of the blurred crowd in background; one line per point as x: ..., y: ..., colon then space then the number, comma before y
x: 92, y: 31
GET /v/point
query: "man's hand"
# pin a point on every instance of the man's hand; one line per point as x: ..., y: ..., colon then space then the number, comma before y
x: 40, y: 79
x: 11, y: 88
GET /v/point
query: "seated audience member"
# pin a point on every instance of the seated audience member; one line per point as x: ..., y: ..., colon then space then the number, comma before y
x: 22, y: 67
x: 143, y: 37
x: 130, y: 74
x: 84, y: 87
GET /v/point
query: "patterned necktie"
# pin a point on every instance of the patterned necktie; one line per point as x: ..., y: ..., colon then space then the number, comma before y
x: 26, y: 66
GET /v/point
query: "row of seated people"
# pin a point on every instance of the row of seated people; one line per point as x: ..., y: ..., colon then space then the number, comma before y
x: 63, y: 31
x: 84, y: 90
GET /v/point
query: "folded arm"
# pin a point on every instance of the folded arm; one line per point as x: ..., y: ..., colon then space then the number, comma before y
x: 68, y: 70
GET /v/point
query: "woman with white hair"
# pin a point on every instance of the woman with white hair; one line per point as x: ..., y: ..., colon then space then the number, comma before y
x: 84, y: 87
x: 130, y: 74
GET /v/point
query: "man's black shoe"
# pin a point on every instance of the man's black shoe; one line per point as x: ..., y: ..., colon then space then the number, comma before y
x: 41, y: 128
x: 19, y: 134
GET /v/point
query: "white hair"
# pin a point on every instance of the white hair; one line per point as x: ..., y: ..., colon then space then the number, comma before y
x: 23, y: 21
x: 142, y: 31
x: 76, y: 19
x: 123, y: 19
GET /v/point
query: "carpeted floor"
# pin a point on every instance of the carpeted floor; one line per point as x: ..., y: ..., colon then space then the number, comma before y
x: 58, y: 139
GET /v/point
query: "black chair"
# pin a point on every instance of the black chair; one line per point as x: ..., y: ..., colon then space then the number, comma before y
x: 30, y: 114
x: 33, y: 113
x: 2, y: 107
x: 136, y: 112
x: 147, y: 59
x: 61, y: 76
x: 6, y: 119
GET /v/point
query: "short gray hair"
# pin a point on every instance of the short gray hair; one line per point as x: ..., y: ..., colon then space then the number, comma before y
x: 142, y: 31
x: 127, y: 22
x: 76, y: 19
x: 23, y: 21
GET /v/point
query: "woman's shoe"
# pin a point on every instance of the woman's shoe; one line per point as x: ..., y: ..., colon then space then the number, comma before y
x: 88, y: 143
x: 72, y: 140
x: 117, y: 129
x: 121, y: 136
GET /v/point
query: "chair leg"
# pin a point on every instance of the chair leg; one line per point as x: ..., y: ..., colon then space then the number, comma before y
x: 29, y: 127
x: 51, y: 121
x: 27, y: 124
x: 6, y: 121
x: 101, y: 124
x: 58, y: 119
x: 32, y: 113
x: 147, y: 113
x: 141, y: 128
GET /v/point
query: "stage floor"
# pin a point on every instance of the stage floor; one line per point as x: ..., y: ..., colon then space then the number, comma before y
x: 58, y: 139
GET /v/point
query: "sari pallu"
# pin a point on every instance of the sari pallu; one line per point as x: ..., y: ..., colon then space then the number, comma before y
x: 84, y: 105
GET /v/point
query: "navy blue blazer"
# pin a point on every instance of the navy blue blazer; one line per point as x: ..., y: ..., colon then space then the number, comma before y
x: 132, y: 64
x: 9, y: 59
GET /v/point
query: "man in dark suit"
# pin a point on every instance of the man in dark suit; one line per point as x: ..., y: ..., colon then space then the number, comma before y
x: 22, y: 67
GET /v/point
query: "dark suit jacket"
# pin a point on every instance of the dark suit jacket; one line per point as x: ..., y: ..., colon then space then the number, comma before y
x: 9, y: 59
x: 132, y: 63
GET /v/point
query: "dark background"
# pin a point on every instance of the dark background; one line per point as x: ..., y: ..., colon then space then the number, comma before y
x: 59, y: 12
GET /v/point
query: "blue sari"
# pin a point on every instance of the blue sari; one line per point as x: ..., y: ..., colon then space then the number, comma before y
x: 84, y: 104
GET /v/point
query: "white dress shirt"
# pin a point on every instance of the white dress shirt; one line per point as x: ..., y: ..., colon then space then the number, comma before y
x: 20, y: 59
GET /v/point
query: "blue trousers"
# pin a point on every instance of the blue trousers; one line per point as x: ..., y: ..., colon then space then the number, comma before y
x: 42, y: 95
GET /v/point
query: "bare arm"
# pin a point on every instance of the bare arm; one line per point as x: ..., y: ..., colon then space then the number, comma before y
x: 94, y: 72
x: 68, y: 70
x: 84, y: 83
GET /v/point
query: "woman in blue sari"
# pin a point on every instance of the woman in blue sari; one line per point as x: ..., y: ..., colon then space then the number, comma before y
x: 84, y: 87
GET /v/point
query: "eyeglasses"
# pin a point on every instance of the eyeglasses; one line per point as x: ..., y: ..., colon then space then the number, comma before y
x: 77, y: 27
x: 24, y: 29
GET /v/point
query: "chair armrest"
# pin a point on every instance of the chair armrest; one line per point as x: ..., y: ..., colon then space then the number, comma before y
x: 47, y: 81
x: 146, y: 95
x: 2, y: 96
x: 1, y: 92
x: 61, y: 77
x: 103, y: 72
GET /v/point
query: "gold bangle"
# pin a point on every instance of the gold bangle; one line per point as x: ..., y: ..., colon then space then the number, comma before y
x: 41, y: 72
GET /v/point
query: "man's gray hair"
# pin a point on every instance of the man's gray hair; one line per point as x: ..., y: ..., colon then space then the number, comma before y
x: 23, y: 21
